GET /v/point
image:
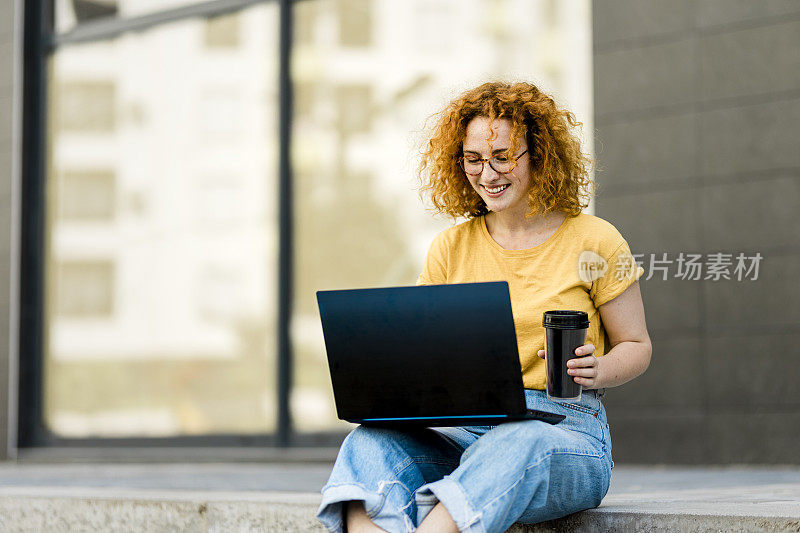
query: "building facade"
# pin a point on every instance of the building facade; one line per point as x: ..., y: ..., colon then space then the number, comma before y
x: 160, y: 225
x: 696, y: 107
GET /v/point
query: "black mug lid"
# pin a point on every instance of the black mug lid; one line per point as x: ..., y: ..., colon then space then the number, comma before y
x: 565, y: 319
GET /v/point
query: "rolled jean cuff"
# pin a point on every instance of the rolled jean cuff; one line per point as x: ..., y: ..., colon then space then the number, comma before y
x: 450, y: 493
x: 331, y: 509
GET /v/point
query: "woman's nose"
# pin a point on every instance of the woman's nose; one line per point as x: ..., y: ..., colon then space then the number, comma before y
x: 488, y: 168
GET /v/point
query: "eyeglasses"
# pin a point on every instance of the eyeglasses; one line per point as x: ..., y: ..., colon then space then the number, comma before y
x: 473, y: 165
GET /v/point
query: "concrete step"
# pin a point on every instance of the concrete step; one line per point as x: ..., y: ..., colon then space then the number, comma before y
x: 284, y: 496
x: 71, y: 509
x: 56, y: 509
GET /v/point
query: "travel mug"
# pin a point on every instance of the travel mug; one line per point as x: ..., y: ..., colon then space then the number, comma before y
x: 565, y: 332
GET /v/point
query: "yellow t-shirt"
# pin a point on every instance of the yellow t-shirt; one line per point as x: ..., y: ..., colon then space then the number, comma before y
x: 583, y: 265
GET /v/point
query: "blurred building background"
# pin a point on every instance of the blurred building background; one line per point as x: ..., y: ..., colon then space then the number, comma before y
x: 140, y: 202
x: 145, y: 308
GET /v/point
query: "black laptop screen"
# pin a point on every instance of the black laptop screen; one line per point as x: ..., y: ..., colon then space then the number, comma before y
x: 436, y: 350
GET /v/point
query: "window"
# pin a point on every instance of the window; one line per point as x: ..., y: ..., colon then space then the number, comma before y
x: 84, y: 106
x: 361, y: 104
x: 87, y: 196
x: 159, y: 282
x: 305, y: 22
x: 85, y: 289
x: 355, y: 22
x: 172, y: 291
x: 354, y: 103
x: 222, y: 31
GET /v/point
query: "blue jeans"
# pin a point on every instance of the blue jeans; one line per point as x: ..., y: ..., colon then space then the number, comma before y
x: 487, y: 477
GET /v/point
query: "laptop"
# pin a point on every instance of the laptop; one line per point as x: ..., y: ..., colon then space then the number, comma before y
x: 429, y: 355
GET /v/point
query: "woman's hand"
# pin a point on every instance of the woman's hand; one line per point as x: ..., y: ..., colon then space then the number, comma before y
x: 585, y: 370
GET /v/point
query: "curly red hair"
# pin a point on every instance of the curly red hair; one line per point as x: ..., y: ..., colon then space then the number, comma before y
x: 560, y: 170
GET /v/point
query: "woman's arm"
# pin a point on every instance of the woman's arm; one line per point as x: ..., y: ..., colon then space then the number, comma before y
x: 623, y: 319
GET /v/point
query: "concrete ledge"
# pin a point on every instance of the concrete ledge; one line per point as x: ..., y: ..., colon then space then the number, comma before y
x: 38, y: 509
x: 624, y: 522
x: 112, y: 509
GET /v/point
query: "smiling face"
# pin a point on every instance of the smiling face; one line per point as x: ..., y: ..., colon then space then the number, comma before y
x: 501, y: 192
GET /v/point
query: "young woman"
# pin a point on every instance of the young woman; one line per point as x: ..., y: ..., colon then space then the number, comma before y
x: 503, y: 156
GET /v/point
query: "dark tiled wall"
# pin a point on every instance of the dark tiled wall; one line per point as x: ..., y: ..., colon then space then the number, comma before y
x: 6, y: 82
x: 698, y: 119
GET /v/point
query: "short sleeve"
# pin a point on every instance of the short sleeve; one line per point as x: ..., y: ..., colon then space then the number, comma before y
x: 622, y: 270
x: 434, y: 271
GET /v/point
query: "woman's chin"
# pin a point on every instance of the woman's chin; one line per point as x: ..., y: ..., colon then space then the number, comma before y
x: 495, y: 205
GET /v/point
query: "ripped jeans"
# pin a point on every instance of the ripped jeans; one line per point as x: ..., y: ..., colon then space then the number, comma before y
x: 487, y: 477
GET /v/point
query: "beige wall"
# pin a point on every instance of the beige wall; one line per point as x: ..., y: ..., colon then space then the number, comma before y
x: 8, y: 52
